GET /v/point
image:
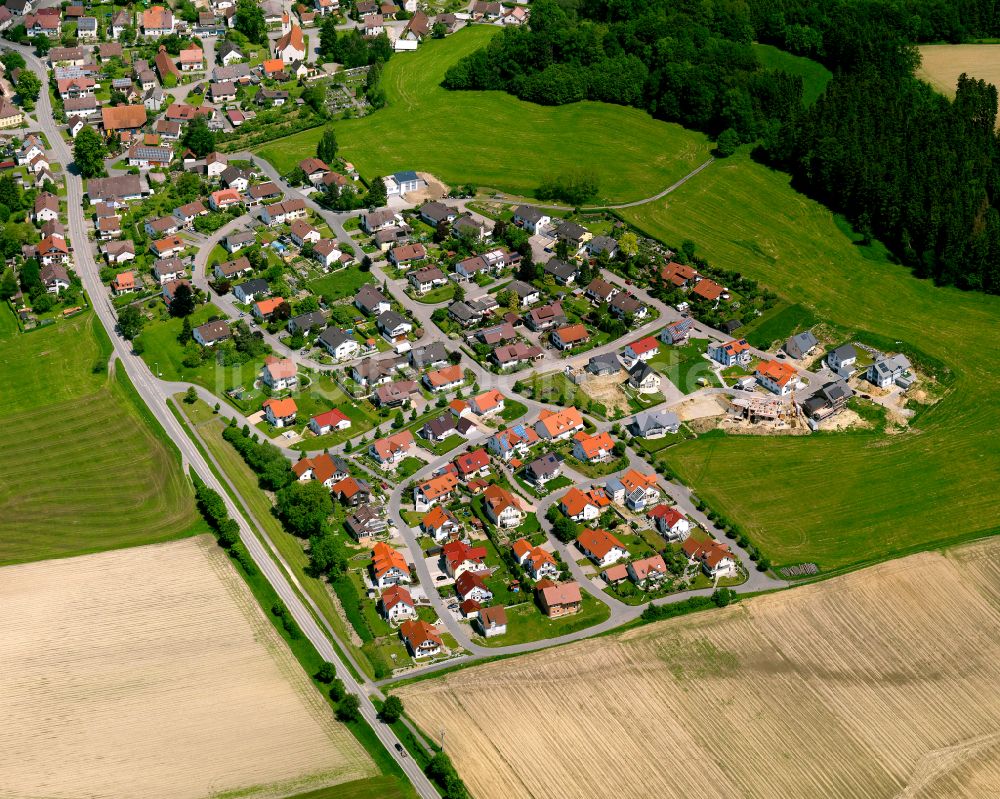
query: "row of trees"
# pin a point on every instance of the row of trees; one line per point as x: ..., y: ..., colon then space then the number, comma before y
x: 900, y: 161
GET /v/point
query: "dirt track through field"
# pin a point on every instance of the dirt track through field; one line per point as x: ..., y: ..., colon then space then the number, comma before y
x: 152, y: 672
x: 882, y: 683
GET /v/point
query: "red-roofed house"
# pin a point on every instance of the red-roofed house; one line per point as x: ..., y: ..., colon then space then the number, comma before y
x: 280, y: 412
x: 670, y: 522
x: 716, y: 560
x: 421, y: 639
x: 644, y: 349
x: 592, y: 448
x: 487, y: 403
x: 388, y: 566
x: 470, y: 585
x: 777, y: 377
x: 440, y: 523
x: 280, y: 374
x: 731, y: 353
x: 537, y: 562
x: 458, y: 557
x: 329, y: 421
x: 502, y: 508
x: 397, y: 604
x: 437, y: 489
x: 647, y: 570
x: 601, y: 547
x: 473, y: 464
x: 562, y: 599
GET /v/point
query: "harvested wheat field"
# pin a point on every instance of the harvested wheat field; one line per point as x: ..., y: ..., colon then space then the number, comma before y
x: 881, y: 683
x: 941, y: 64
x: 152, y: 672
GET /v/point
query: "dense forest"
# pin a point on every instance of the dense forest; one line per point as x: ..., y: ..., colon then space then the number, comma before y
x: 902, y: 162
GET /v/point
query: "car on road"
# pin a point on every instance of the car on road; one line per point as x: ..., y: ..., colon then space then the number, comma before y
x: 401, y: 750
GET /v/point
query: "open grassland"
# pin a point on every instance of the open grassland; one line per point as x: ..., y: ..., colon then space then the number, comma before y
x: 814, y: 75
x: 162, y: 677
x: 83, y: 469
x: 941, y: 64
x: 493, y: 139
x: 842, y: 499
x: 877, y: 684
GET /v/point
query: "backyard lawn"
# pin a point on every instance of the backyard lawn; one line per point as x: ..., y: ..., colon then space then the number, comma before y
x: 685, y: 366
x: 85, y: 467
x: 339, y: 284
x: 454, y: 134
x: 841, y: 500
x: 526, y: 622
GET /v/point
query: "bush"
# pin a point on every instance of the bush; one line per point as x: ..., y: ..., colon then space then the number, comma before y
x: 337, y: 689
x: 327, y: 673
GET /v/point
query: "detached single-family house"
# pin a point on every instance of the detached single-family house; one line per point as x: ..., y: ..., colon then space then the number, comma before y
x: 389, y: 451
x: 421, y: 639
x: 570, y: 336
x: 388, y: 566
x: 397, y: 605
x: 340, y: 344
x: 842, y: 360
x: 537, y: 562
x: 280, y: 374
x: 601, y: 547
x: 886, y: 371
x: 646, y: 571
x: 488, y: 403
x: 654, y: 424
x: 423, y: 280
x: 643, y: 379
x: 670, y: 522
x: 558, y: 425
x: 592, y: 448
x: 251, y: 290
x: 329, y: 421
x: 492, y: 621
x: 471, y: 585
x: 777, y: 377
x: 530, y: 218
x: 502, y: 508
x: 716, y: 560
x: 457, y: 557
x: 644, y: 349
x: 558, y: 599
x: 440, y: 524
x: 543, y: 468
x: 280, y: 412
x: 731, y: 353
x: 371, y: 301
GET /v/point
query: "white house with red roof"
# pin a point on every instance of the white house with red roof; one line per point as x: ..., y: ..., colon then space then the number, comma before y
x: 601, y: 547
x: 458, y: 557
x: 644, y: 349
x: 670, y: 522
x: 329, y: 421
x: 397, y: 605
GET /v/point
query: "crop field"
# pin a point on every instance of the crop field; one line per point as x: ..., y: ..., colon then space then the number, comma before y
x: 492, y: 139
x: 941, y: 64
x: 162, y: 677
x: 842, y: 500
x: 877, y: 684
x: 83, y: 471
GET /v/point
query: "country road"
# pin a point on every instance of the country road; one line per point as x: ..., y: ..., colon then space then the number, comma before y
x: 155, y: 396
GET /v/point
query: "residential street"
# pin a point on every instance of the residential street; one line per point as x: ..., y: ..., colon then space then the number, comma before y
x: 155, y: 393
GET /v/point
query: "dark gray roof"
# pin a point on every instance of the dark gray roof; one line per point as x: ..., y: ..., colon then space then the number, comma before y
x: 801, y: 342
x: 440, y: 425
x: 602, y: 363
x: 241, y: 237
x: 334, y: 337
x: 167, y: 266
x: 845, y: 352
x: 462, y: 311
x: 646, y: 421
x: 369, y: 297
x: 522, y: 289
x: 560, y: 269
x: 544, y: 466
x: 387, y: 320
x: 570, y: 230
x: 529, y: 213
x: 432, y: 353
x: 600, y: 244
x: 307, y: 321
x: 255, y: 286
x: 639, y: 371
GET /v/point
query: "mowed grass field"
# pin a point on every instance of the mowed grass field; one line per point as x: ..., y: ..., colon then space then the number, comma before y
x: 491, y: 139
x: 873, y: 685
x: 162, y: 677
x: 83, y: 470
x: 842, y: 500
x: 941, y: 64
x: 814, y: 75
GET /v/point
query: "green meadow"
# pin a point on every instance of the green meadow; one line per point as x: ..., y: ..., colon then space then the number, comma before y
x: 492, y: 139
x: 842, y: 500
x: 84, y: 468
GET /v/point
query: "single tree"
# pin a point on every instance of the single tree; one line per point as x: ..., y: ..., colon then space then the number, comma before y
x: 249, y: 21
x: 327, y: 673
x: 183, y: 301
x: 89, y: 153
x: 349, y: 708
x: 376, y: 193
x: 326, y: 150
x: 186, y: 333
x: 28, y: 88
x: 191, y: 395
x: 392, y: 709
x: 198, y: 138
x: 130, y: 322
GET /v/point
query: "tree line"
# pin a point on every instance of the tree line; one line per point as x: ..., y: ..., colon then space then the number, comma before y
x: 901, y: 162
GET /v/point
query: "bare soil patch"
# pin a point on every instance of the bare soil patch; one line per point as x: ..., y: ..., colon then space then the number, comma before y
x: 607, y: 390
x: 877, y: 684
x: 153, y: 672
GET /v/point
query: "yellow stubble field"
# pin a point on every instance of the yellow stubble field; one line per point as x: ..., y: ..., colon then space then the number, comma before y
x: 941, y: 64
x: 152, y: 672
x: 881, y: 683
